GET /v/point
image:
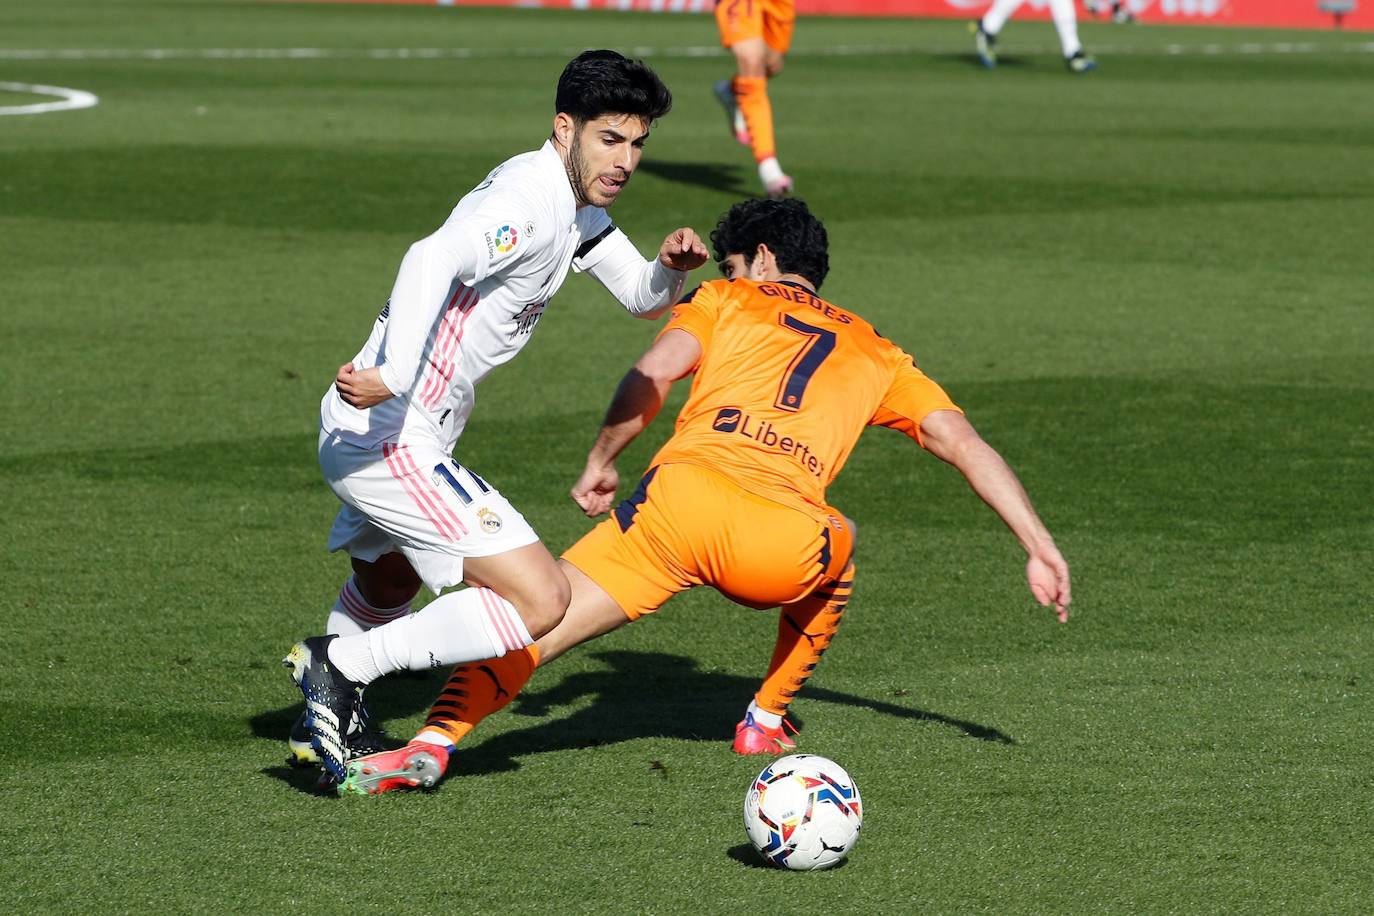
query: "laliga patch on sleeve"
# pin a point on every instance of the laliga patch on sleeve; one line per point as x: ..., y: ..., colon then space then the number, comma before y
x: 506, y: 238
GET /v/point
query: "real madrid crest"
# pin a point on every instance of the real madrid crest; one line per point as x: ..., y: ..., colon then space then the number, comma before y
x: 490, y: 521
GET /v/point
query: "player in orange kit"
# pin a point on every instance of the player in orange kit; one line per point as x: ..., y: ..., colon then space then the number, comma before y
x: 758, y: 34
x: 784, y: 383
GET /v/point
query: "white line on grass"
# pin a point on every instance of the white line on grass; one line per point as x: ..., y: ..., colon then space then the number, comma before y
x: 72, y: 99
x: 1172, y: 49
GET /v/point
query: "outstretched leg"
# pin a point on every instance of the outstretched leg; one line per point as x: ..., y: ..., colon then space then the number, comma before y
x: 515, y: 596
x: 477, y: 689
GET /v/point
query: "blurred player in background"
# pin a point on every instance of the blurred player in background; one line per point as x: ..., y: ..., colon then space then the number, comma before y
x: 758, y: 33
x: 785, y: 382
x: 466, y: 300
x: 1120, y: 14
x: 986, y: 30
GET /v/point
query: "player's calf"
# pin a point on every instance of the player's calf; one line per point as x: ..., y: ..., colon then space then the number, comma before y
x: 725, y: 94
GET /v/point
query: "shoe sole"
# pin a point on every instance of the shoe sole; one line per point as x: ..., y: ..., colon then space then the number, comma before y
x: 776, y: 750
x: 760, y: 752
x: 420, y: 771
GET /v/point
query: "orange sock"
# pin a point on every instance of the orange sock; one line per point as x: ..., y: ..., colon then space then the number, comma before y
x: 751, y: 94
x: 478, y: 689
x: 804, y: 632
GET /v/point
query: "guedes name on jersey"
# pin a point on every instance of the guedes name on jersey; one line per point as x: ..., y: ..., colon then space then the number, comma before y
x: 804, y: 297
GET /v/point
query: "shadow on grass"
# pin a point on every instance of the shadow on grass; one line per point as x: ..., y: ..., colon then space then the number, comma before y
x: 652, y: 695
x: 302, y: 779
x: 638, y: 695
x: 1003, y: 61
x: 714, y: 176
x: 746, y: 854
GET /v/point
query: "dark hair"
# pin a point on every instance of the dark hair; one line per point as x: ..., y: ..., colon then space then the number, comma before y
x: 796, y: 238
x: 596, y: 83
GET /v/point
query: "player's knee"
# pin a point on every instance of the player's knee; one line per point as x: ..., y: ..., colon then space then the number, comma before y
x: 751, y: 63
x: 543, y: 604
x: 773, y: 65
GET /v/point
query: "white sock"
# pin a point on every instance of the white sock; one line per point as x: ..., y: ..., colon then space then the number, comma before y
x: 998, y: 14
x: 339, y: 623
x: 769, y: 170
x: 352, y: 614
x: 462, y: 626
x: 430, y: 736
x: 1066, y: 24
x: 764, y: 717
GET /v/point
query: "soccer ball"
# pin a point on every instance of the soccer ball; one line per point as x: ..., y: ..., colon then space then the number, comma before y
x: 803, y: 812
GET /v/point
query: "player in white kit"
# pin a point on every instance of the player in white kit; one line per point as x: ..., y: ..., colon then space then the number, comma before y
x: 466, y: 299
x: 1065, y: 16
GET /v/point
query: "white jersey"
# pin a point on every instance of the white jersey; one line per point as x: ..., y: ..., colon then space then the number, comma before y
x: 468, y: 297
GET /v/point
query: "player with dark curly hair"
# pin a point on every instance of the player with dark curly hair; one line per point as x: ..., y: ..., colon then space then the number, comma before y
x: 784, y: 383
x: 797, y: 239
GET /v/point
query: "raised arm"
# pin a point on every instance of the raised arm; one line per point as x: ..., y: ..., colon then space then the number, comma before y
x: 950, y: 437
x: 636, y: 402
x: 646, y: 288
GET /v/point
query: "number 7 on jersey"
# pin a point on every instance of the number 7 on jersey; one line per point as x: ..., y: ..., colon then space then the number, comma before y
x: 819, y: 343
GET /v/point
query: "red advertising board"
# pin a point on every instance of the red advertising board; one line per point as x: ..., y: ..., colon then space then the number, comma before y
x: 1316, y: 14
x: 1277, y: 13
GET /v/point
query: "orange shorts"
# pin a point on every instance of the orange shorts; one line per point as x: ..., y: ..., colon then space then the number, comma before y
x: 687, y: 526
x: 771, y: 20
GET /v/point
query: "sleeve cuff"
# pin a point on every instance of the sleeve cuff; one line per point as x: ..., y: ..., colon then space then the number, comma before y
x: 389, y: 379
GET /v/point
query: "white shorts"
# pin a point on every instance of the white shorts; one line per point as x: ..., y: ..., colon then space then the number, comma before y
x: 418, y: 500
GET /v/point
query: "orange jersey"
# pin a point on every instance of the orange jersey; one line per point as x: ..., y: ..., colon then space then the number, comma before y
x: 785, y: 385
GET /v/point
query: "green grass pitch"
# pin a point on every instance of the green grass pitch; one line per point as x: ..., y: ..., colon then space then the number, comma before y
x: 1150, y: 289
